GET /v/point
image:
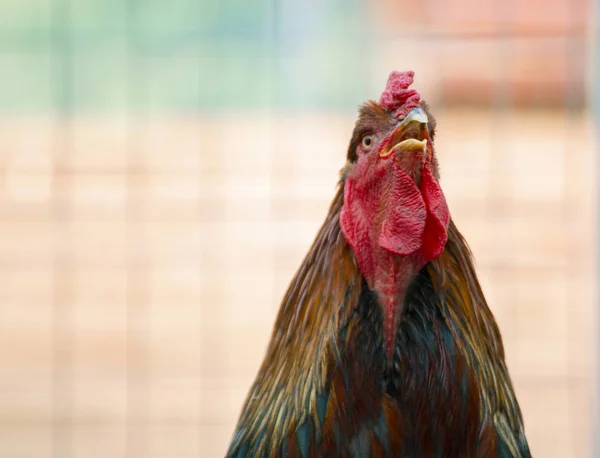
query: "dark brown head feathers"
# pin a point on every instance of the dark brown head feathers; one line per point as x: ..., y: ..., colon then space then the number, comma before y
x: 372, y: 118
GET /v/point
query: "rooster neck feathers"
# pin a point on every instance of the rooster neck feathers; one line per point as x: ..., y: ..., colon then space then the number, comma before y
x: 325, y: 375
x: 320, y: 298
x: 384, y: 345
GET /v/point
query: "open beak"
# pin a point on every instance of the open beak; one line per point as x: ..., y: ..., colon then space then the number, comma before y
x: 411, y: 135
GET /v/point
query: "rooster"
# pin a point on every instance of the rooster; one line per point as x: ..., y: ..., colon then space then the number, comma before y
x: 384, y: 345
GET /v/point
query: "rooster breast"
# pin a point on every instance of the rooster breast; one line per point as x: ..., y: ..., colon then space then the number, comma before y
x: 427, y: 403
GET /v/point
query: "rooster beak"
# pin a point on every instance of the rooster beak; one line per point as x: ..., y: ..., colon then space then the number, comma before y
x: 411, y: 135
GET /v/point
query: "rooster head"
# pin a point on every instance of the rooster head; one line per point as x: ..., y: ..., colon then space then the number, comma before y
x: 393, y: 203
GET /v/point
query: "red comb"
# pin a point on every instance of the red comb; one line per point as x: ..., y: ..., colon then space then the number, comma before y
x: 397, y: 97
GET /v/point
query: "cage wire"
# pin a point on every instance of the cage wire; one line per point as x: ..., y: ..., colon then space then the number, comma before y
x: 594, y: 92
x: 149, y: 280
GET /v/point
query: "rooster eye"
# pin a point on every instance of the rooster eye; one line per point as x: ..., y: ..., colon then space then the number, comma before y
x: 367, y: 141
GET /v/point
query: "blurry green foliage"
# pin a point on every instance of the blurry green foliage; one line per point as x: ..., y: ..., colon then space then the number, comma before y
x: 179, y: 55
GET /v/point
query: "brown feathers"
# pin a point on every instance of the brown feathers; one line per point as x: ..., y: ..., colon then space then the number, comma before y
x: 372, y: 118
x: 328, y: 387
x: 304, y: 339
x: 478, y: 337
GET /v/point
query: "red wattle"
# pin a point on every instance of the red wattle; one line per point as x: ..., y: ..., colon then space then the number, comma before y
x: 411, y: 219
x: 405, y: 215
x: 438, y: 215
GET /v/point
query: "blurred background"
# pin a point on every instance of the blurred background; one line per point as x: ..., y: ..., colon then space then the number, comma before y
x: 164, y: 167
